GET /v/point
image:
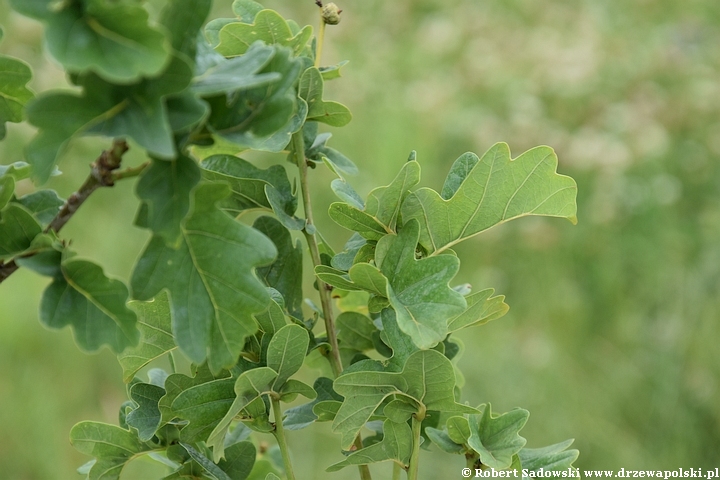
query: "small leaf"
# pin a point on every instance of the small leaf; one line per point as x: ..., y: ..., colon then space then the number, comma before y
x: 396, y: 445
x: 154, y: 323
x: 18, y: 227
x: 551, y: 458
x: 92, y: 304
x: 482, y: 308
x: 347, y: 194
x: 285, y: 274
x: 292, y: 388
x: 345, y: 259
x: 146, y: 417
x: 302, y: 416
x: 311, y: 90
x: 14, y: 76
x: 286, y: 353
x: 246, y: 10
x: 332, y: 72
x: 203, y: 405
x: 443, y: 440
x: 384, y: 203
x: 418, y: 290
x: 268, y: 27
x: 488, y: 192
x: 458, y: 429
x: 496, y: 439
x: 356, y: 220
x: 248, y: 183
x: 427, y: 378
x: 272, y: 319
x: 43, y: 204
x: 165, y: 189
x: 241, y: 73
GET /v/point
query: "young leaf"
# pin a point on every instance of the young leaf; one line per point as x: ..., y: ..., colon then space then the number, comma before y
x: 551, y: 458
x: 384, y: 203
x: 443, y: 440
x: 165, y: 189
x: 301, y: 416
x: 19, y: 228
x: 94, y: 305
x: 241, y: 73
x: 286, y: 353
x: 396, y: 445
x: 248, y: 183
x: 112, y: 446
x: 285, y: 274
x: 356, y: 220
x: 495, y: 189
x: 482, y: 307
x: 311, y: 90
x: 213, y: 290
x: 246, y: 10
x: 269, y: 27
x: 14, y: 76
x: 496, y: 439
x: 203, y: 405
x: 428, y: 378
x: 146, y: 418
x: 113, y: 40
x: 43, y: 204
x: 418, y: 290
x: 154, y: 323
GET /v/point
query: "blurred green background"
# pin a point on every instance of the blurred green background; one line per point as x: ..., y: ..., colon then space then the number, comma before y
x: 613, y: 332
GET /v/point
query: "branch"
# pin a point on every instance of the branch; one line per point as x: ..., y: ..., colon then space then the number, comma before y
x: 101, y: 175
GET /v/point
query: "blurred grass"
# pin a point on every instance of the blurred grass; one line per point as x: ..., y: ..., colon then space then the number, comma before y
x: 613, y: 329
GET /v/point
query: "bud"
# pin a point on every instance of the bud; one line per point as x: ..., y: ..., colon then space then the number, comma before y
x: 331, y: 14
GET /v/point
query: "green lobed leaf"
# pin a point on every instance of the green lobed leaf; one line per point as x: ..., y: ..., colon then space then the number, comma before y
x: 427, y: 378
x: 355, y: 331
x: 443, y: 440
x: 94, y: 305
x: 356, y: 220
x: 154, y: 323
x: 482, y: 308
x: 208, y: 465
x: 551, y: 458
x: 248, y: 388
x: 292, y: 388
x: 384, y: 203
x: 183, y: 19
x: 396, y: 445
x: 418, y: 290
x: 496, y: 439
x: 285, y: 274
x: 213, y: 290
x: 43, y: 204
x: 246, y: 10
x: 311, y: 90
x: 239, y: 460
x: 248, y: 184
x: 146, y: 418
x: 203, y: 405
x: 286, y: 353
x: 302, y: 416
x: 401, y: 344
x: 18, y: 227
x: 268, y: 27
x: 272, y: 319
x: 235, y: 74
x: 177, y: 383
x: 14, y: 94
x: 114, y: 40
x: 481, y: 194
x: 332, y: 72
x: 112, y: 446
x: 165, y: 188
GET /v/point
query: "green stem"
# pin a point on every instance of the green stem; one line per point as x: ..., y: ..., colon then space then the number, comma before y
x: 397, y: 468
x: 364, y: 469
x: 325, y: 300
x: 280, y: 436
x: 171, y: 359
x: 320, y: 40
x: 415, y: 457
x: 130, y: 172
x: 470, y: 459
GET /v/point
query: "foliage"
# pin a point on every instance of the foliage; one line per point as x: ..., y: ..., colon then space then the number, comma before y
x: 226, y: 295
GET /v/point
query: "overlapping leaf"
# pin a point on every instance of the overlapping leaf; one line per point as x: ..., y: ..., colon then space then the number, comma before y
x: 551, y: 458
x: 418, y: 290
x: 482, y: 308
x: 113, y: 40
x: 396, y: 445
x: 213, y: 289
x: 95, y: 306
x: 496, y: 438
x: 428, y: 379
x: 481, y: 193
x: 14, y: 94
x: 268, y: 27
x: 154, y: 323
x: 146, y: 418
x: 311, y: 90
x: 112, y: 446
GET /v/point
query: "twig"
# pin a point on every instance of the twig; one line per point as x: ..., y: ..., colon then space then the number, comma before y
x: 101, y: 175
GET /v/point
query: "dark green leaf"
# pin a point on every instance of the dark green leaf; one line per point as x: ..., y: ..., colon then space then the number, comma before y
x: 146, y: 417
x: 43, y: 204
x: 213, y: 290
x: 14, y: 76
x: 18, y: 228
x: 112, y: 446
x: 286, y: 353
x: 183, y: 19
x: 154, y: 323
x: 203, y: 405
x: 301, y: 416
x: 165, y: 188
x: 239, y: 460
x: 396, y: 445
x: 355, y: 331
x: 211, y: 468
x: 92, y: 304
